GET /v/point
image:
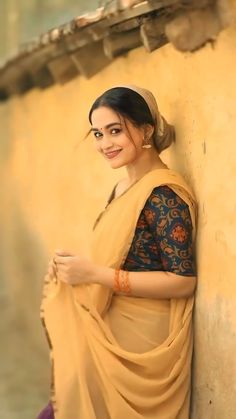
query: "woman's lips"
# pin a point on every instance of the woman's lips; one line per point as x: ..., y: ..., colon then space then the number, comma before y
x: 112, y: 154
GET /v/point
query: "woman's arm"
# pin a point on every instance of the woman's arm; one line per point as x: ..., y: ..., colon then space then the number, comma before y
x: 169, y: 221
x: 73, y: 269
x: 155, y: 284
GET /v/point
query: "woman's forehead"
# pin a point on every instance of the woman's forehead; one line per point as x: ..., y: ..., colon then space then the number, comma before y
x: 103, y: 116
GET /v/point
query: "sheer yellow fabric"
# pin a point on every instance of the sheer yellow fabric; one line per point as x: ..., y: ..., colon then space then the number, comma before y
x: 116, y: 356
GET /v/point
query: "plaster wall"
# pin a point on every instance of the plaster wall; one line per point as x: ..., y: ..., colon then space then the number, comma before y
x: 53, y: 185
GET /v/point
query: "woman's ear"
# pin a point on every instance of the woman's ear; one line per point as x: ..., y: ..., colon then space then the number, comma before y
x: 148, y: 131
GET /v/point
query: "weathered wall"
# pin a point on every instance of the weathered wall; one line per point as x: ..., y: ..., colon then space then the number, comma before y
x: 52, y: 191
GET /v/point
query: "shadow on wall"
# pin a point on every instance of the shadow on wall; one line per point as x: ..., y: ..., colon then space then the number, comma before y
x: 24, y: 367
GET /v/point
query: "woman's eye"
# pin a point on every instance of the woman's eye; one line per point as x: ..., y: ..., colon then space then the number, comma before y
x: 97, y: 134
x: 115, y: 131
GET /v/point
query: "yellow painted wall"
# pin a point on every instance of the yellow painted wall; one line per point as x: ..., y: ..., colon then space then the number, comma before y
x: 52, y: 190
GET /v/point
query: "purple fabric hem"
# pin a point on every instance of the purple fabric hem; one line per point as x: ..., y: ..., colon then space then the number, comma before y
x: 47, y: 412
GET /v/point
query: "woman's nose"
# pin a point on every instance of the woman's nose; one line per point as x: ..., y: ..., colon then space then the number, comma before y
x: 106, y: 142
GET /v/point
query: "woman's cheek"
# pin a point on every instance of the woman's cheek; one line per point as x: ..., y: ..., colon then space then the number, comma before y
x: 97, y: 147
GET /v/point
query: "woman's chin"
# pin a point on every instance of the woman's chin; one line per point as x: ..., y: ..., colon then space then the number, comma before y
x: 116, y: 165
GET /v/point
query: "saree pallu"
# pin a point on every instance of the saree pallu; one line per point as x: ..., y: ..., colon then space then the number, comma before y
x: 114, y: 355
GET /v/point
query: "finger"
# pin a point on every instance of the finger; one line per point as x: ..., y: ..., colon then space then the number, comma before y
x: 59, y: 260
x: 63, y: 253
x: 62, y: 270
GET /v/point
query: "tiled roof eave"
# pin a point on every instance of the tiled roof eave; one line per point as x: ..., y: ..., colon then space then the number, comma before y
x: 90, y: 42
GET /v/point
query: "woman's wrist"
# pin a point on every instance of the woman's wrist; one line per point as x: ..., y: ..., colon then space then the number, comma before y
x: 115, y: 279
x: 103, y: 275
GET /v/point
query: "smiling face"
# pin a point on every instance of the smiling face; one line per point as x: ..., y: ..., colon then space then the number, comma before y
x: 119, y: 141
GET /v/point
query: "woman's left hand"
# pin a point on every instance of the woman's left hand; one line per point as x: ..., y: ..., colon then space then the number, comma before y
x: 73, y: 269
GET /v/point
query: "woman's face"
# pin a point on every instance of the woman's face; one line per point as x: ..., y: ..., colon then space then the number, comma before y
x: 112, y: 138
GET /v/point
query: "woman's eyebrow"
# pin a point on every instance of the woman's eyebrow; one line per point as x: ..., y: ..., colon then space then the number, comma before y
x: 107, y: 126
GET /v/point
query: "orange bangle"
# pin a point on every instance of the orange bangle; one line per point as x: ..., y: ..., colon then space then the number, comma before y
x: 124, y: 286
x: 127, y: 283
x: 116, y: 280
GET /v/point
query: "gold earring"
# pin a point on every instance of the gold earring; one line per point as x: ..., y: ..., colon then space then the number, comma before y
x: 147, y: 145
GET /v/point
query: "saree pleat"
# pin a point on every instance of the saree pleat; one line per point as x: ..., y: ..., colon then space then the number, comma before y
x: 116, y: 355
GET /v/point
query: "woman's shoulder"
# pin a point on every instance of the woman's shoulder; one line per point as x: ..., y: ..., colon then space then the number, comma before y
x: 164, y: 201
x: 167, y: 209
x: 165, y: 194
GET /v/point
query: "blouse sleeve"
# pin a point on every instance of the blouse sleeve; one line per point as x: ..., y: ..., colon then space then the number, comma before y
x: 169, y: 221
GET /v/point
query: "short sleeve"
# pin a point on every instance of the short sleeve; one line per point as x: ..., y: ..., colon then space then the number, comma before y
x: 169, y: 221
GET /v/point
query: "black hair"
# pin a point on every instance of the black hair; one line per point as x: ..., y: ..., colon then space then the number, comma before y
x: 127, y: 103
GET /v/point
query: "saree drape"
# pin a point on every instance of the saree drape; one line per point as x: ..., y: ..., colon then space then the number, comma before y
x: 117, y: 356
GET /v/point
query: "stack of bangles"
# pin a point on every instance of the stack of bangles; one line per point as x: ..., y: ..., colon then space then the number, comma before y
x: 121, y: 281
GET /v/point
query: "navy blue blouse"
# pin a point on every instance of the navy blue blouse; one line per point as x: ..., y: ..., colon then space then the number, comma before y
x: 163, y: 235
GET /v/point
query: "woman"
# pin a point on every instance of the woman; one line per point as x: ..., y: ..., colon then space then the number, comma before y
x: 120, y: 323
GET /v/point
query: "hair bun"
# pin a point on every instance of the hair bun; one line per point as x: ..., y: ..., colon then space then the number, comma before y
x: 165, y: 137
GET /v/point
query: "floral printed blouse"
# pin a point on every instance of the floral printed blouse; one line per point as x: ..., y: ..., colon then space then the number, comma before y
x: 163, y: 235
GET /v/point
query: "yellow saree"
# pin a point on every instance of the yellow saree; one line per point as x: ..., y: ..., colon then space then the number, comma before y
x: 117, y: 356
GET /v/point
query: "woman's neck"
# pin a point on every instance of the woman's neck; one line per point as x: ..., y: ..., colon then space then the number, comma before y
x: 140, y: 167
